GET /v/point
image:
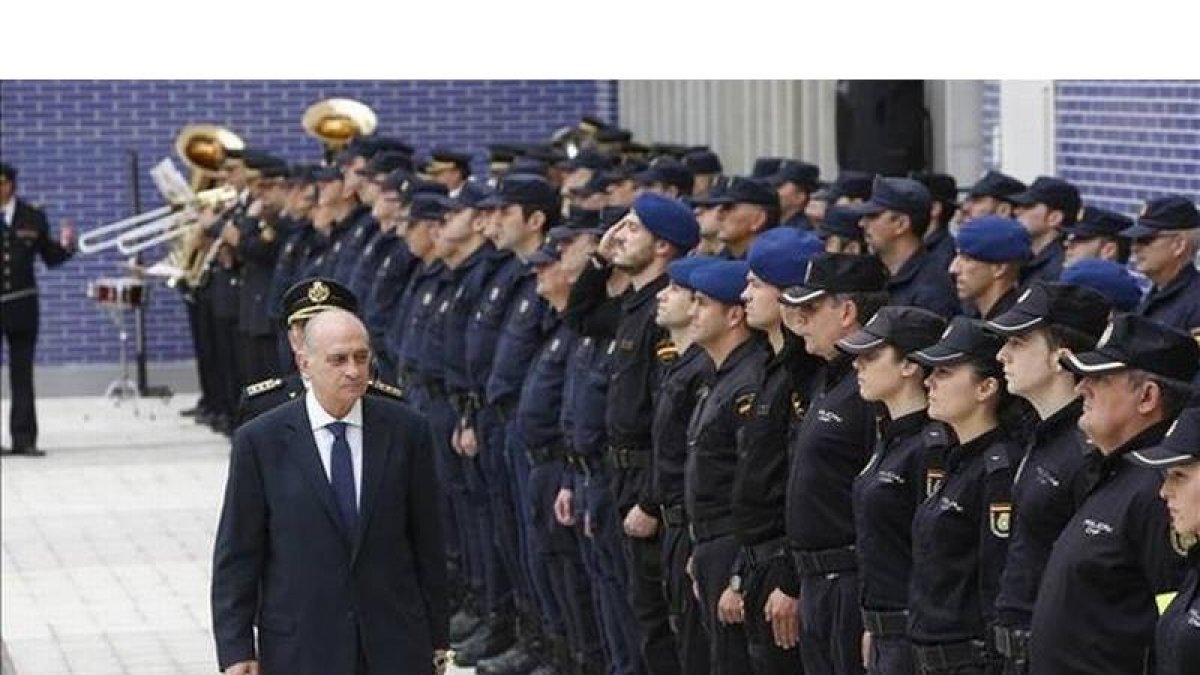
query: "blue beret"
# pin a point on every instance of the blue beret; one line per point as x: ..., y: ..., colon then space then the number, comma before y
x: 779, y: 256
x: 722, y: 280
x: 1111, y: 279
x: 680, y: 271
x: 994, y: 239
x: 668, y: 219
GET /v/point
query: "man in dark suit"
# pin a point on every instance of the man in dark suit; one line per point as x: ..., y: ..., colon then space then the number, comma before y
x: 24, y: 235
x: 329, y: 542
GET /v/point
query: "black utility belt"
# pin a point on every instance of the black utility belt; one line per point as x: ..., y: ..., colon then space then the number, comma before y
x: 765, y: 551
x: 886, y: 624
x: 950, y: 655
x: 585, y: 465
x: 707, y: 530
x: 1013, y: 643
x: 628, y: 457
x: 545, y: 454
x: 827, y: 561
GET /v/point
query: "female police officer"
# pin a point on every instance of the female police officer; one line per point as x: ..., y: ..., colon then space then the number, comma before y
x: 960, y: 533
x: 888, y: 490
x: 1178, y: 456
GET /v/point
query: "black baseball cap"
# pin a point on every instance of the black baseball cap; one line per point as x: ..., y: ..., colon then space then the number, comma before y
x: 836, y: 273
x: 905, y: 328
x: 965, y: 339
x: 1045, y: 303
x: 1132, y: 341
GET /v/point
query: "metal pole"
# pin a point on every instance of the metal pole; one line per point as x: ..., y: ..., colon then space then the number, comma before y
x: 139, y: 315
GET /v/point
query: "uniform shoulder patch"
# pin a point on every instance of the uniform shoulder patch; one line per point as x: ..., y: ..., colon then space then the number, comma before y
x: 1000, y: 519
x: 666, y: 350
x: 263, y: 387
x: 744, y: 404
x: 996, y: 459
x: 385, y: 389
x: 935, y: 436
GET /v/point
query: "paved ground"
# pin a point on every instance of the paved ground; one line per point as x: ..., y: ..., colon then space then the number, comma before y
x: 107, y: 541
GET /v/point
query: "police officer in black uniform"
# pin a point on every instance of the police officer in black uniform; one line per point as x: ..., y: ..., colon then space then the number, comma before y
x: 1047, y: 206
x: 750, y: 207
x: 1096, y: 234
x: 992, y: 195
x: 903, y: 471
x: 829, y: 447
x: 24, y: 236
x: 1178, y: 457
x: 795, y: 181
x: 938, y: 241
x: 768, y: 584
x: 841, y: 233
x: 725, y: 405
x: 960, y: 533
x: 1095, y: 611
x: 894, y: 221
x: 1058, y: 468
x: 1166, y: 238
x: 657, y: 230
x: 258, y: 235
x: 987, y: 267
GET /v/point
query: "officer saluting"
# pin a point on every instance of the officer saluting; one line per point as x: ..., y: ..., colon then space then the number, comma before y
x: 1178, y: 457
x: 24, y: 235
x: 1095, y: 611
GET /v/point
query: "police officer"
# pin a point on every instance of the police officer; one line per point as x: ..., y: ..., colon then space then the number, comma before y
x: 450, y: 168
x: 1048, y: 205
x: 938, y: 241
x: 705, y: 165
x: 987, y: 267
x: 829, y: 446
x: 903, y: 471
x: 751, y: 207
x: 960, y: 533
x: 686, y: 368
x: 795, y: 181
x: 24, y: 235
x: 850, y: 187
x: 654, y: 232
x: 376, y: 242
x: 1112, y: 280
x: 768, y: 584
x: 725, y: 405
x: 301, y: 302
x: 841, y: 232
x: 894, y: 221
x: 296, y: 237
x: 1177, y: 639
x: 1057, y: 470
x: 1133, y: 384
x: 1165, y: 239
x: 666, y: 176
x: 1096, y: 234
x: 992, y: 195
x: 708, y: 209
x: 331, y: 221
x: 258, y: 235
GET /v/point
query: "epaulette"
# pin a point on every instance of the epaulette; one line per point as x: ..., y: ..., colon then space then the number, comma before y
x: 666, y: 350
x: 936, y: 436
x: 995, y: 460
x: 385, y: 389
x: 263, y: 387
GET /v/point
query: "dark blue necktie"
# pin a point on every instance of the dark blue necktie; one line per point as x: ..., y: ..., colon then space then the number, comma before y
x: 341, y: 476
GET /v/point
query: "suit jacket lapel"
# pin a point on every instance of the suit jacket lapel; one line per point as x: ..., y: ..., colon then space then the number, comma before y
x: 302, y: 449
x: 377, y: 445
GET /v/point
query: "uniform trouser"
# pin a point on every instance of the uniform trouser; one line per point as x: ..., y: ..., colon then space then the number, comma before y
x: 502, y: 498
x: 606, y: 562
x: 200, y: 320
x: 890, y: 655
x: 22, y: 417
x: 441, y: 424
x: 455, y: 491
x: 225, y: 348
x: 558, y: 550
x: 480, y: 472
x: 766, y: 657
x: 990, y: 665
x: 532, y: 562
x: 831, y: 624
x: 713, y: 562
x: 687, y: 620
x: 259, y: 358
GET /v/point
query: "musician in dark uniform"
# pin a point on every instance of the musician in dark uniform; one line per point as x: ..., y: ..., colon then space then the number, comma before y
x: 24, y: 235
x: 301, y: 302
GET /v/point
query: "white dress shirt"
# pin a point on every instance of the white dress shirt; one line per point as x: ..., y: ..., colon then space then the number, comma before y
x: 324, y: 438
x: 10, y: 211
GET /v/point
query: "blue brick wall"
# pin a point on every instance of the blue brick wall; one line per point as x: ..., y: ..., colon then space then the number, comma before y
x: 71, y: 141
x: 1123, y: 142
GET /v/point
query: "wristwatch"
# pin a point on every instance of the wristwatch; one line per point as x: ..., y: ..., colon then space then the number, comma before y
x: 442, y: 658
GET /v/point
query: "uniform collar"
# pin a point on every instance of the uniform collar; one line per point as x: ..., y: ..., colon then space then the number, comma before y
x: 1044, y: 257
x: 908, y: 425
x: 319, y: 418
x: 936, y: 238
x: 641, y: 296
x: 1181, y: 280
x: 908, y: 271
x: 1148, y: 437
x: 740, y: 353
x: 976, y: 445
x: 1065, y: 417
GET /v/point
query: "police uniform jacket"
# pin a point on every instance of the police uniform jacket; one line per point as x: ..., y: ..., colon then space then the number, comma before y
x: 828, y: 448
x: 541, y: 398
x: 468, y: 282
x: 487, y: 317
x: 920, y: 282
x: 585, y: 395
x: 1095, y: 612
x: 683, y: 378
x: 722, y: 410
x: 902, y: 473
x: 1178, y: 637
x: 415, y: 317
x: 1046, y: 265
x: 271, y: 393
x: 959, y: 538
x: 257, y: 249
x: 25, y: 239
x: 1053, y: 478
x: 362, y: 280
x: 361, y: 227
x: 387, y: 288
x: 939, y: 245
x: 297, y: 239
x: 521, y: 336
x: 1178, y: 303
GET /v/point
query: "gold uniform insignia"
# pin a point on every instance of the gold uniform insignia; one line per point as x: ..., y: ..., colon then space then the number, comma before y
x: 318, y: 292
x: 797, y: 405
x: 1000, y: 519
x: 1181, y: 543
x: 386, y: 389
x: 666, y: 350
x: 264, y: 386
x: 744, y: 404
x: 933, y: 480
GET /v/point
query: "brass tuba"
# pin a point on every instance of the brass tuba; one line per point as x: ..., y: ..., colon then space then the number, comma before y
x: 205, y: 147
x: 337, y: 121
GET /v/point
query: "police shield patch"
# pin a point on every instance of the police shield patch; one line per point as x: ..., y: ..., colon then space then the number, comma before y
x: 933, y: 480
x: 744, y: 404
x: 1000, y: 519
